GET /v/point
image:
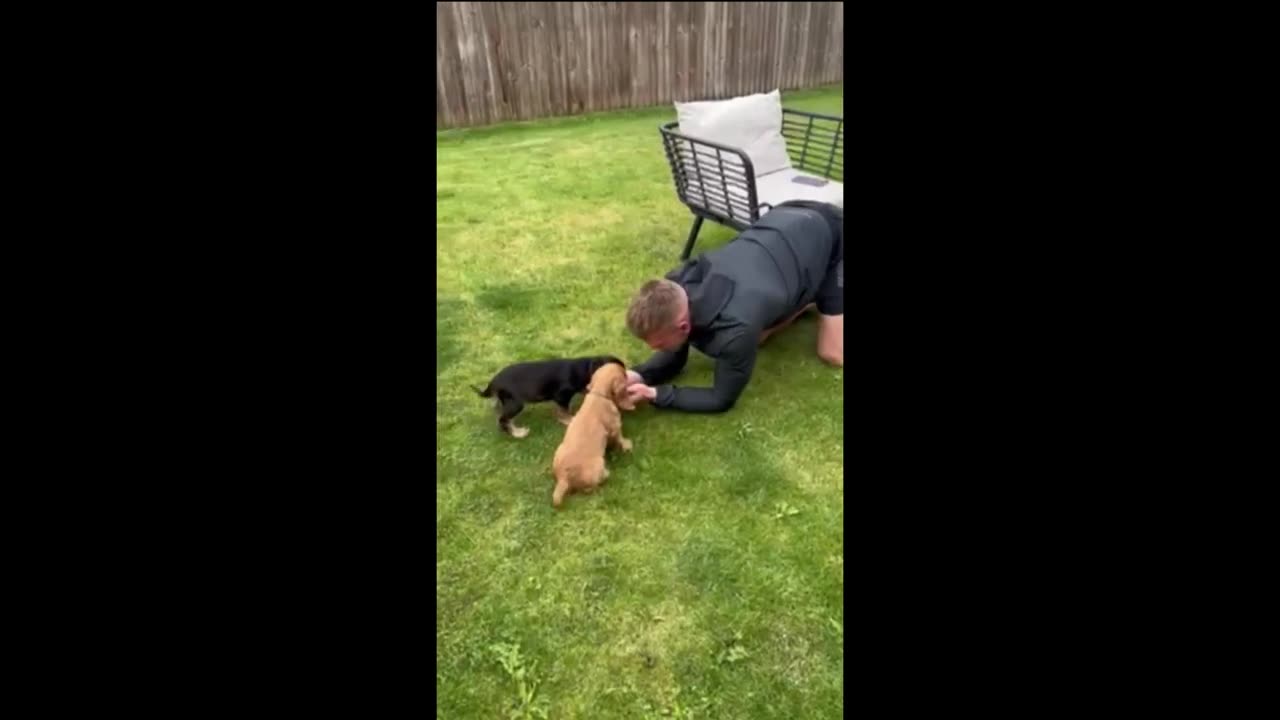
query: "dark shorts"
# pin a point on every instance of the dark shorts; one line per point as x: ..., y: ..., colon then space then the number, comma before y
x: 831, y: 293
x: 830, y: 297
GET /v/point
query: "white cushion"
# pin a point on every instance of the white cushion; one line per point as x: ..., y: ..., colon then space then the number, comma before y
x: 752, y: 123
x: 776, y: 188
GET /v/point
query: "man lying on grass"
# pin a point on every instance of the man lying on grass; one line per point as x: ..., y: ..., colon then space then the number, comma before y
x: 728, y: 301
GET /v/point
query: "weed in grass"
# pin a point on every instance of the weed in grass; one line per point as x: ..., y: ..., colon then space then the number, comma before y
x: 527, y: 704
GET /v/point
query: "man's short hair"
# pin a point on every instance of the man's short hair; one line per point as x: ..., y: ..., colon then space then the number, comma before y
x: 653, y: 308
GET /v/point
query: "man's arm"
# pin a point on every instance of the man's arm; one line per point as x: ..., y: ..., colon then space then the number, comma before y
x: 662, y: 366
x: 733, y: 371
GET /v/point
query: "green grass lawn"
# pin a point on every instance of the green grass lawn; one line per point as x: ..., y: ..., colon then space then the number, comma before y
x: 706, y: 578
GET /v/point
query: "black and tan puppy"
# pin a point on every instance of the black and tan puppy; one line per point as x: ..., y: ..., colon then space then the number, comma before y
x: 540, y: 381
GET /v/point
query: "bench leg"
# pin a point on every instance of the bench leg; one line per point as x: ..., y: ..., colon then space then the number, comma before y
x: 693, y: 235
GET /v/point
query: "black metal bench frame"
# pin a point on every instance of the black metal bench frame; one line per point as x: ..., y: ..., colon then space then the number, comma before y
x: 703, y: 170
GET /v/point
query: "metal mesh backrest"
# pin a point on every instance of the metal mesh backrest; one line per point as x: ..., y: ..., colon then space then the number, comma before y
x: 711, y: 177
x: 815, y: 143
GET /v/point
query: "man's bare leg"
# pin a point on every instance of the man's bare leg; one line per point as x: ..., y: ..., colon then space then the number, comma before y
x: 831, y: 339
x: 765, y: 335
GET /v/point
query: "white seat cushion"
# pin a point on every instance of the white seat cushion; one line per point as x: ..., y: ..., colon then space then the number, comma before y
x: 778, y: 187
x: 773, y: 190
x: 752, y: 123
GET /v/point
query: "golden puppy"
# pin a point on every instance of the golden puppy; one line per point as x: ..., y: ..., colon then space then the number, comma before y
x: 579, y: 462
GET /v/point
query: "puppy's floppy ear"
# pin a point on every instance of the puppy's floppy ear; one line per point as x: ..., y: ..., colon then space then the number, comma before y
x: 618, y: 388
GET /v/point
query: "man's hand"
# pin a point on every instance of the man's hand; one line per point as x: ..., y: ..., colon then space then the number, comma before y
x: 637, y: 390
x: 640, y: 391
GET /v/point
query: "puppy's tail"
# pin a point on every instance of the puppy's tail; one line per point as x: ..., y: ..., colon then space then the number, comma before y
x: 565, y: 477
x: 486, y: 392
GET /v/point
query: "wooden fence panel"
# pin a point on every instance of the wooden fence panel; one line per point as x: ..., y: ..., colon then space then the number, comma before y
x: 499, y: 61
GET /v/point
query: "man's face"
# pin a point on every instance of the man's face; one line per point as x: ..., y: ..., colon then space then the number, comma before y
x: 670, y: 339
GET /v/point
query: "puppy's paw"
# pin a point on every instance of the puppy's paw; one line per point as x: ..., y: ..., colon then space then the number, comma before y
x: 519, y: 432
x: 625, y: 445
